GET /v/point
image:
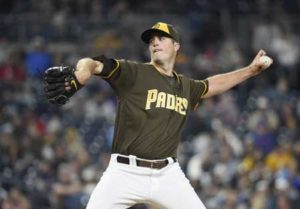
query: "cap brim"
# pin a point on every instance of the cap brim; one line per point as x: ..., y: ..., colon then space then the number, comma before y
x: 147, y: 34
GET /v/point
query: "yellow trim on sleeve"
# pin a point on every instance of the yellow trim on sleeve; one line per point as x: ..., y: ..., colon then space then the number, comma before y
x: 205, y: 89
x: 203, y: 93
x: 113, y: 71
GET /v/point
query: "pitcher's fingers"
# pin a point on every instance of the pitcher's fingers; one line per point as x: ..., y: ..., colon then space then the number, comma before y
x: 260, y: 53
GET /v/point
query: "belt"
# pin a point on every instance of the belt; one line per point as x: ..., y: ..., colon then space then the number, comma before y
x: 157, y: 164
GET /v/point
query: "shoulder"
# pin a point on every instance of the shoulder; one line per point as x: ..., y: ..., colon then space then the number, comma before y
x: 133, y: 64
x: 186, y: 78
x: 182, y: 77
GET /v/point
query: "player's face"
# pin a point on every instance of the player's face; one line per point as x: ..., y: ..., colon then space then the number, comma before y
x: 162, y: 49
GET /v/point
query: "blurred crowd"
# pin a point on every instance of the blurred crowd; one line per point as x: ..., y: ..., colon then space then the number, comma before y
x: 240, y: 149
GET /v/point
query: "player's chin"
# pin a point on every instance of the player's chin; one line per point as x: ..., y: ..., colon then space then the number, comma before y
x: 157, y: 61
x: 159, y: 57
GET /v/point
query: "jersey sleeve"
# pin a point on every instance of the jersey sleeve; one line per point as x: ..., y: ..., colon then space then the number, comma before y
x: 120, y: 74
x: 198, y: 89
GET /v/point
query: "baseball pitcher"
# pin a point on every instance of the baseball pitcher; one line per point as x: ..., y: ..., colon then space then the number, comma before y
x: 153, y: 104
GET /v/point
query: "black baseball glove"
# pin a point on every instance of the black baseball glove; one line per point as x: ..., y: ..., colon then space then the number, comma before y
x: 55, y: 88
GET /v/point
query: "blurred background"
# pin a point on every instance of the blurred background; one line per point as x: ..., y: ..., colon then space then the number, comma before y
x: 240, y: 149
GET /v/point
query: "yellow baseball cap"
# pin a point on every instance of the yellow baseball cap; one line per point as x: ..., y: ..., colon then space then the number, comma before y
x: 164, y: 28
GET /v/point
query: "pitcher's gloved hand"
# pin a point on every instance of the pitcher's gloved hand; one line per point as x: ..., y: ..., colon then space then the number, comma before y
x: 60, y: 84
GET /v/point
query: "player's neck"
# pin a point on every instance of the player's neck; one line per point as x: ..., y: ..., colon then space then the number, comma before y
x: 164, y: 68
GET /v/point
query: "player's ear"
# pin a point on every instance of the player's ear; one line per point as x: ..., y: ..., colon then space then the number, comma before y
x: 177, y: 46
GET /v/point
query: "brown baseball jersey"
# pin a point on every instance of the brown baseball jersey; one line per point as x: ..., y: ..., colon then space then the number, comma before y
x: 152, y: 108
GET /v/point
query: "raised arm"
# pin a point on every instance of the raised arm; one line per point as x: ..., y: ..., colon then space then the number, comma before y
x: 223, y: 82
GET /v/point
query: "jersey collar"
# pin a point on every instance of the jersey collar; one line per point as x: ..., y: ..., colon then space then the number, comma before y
x: 174, y: 72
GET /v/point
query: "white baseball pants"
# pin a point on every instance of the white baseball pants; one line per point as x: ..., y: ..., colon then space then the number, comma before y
x: 123, y: 186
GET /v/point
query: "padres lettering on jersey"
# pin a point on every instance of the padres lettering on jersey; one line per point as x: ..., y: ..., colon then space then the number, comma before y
x: 156, y: 99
